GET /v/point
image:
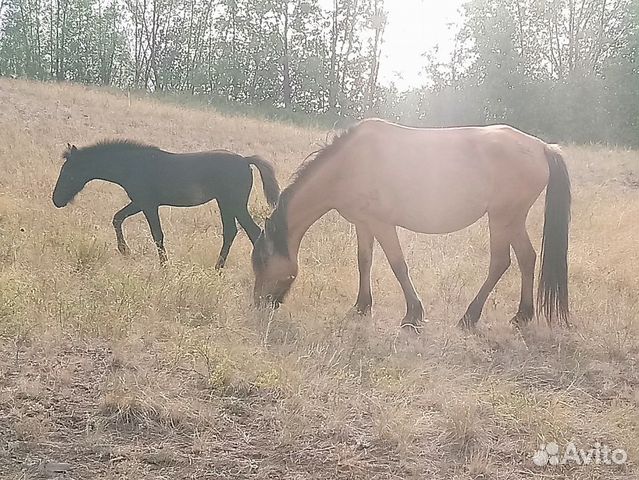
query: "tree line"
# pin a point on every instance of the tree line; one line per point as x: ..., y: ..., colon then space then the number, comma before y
x: 565, y: 69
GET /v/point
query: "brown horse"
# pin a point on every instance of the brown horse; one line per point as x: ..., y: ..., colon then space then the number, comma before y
x: 380, y: 175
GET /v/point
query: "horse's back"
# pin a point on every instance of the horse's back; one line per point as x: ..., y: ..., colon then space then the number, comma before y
x: 201, y: 166
x: 437, y: 180
x: 495, y: 152
x: 187, y: 179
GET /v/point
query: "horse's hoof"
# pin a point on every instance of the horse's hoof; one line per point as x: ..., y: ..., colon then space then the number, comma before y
x: 520, y: 321
x: 523, y: 316
x: 411, y: 327
x: 414, y: 317
x: 466, y: 323
x: 413, y: 321
x: 124, y: 249
x: 362, y: 310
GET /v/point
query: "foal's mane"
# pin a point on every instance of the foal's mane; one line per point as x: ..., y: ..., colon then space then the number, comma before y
x: 277, y: 226
x: 112, y: 147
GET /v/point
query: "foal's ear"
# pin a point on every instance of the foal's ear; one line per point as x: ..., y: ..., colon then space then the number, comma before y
x: 70, y: 149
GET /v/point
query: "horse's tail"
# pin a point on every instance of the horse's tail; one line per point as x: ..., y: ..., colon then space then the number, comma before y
x: 269, y: 180
x: 552, y: 296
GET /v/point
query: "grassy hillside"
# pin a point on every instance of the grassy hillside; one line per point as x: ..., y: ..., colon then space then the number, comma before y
x: 123, y: 369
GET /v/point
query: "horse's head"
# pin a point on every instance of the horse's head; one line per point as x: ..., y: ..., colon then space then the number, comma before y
x: 72, y: 177
x: 274, y: 270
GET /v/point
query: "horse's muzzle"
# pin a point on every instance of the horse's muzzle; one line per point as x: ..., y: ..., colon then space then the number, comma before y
x: 59, y: 202
x: 266, y: 302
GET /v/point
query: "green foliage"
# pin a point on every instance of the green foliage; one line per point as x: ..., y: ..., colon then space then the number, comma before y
x: 564, y: 69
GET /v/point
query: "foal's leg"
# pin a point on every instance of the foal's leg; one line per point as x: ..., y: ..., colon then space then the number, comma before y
x: 251, y: 228
x: 499, y: 263
x: 118, y: 219
x: 229, y: 230
x: 526, y: 258
x: 365, y: 241
x: 153, y: 218
x: 387, y: 237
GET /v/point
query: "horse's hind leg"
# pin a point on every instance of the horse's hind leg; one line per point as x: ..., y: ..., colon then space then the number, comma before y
x: 387, y: 237
x: 365, y: 241
x: 526, y: 258
x: 229, y: 231
x: 251, y: 228
x: 118, y: 219
x: 153, y: 218
x: 499, y: 262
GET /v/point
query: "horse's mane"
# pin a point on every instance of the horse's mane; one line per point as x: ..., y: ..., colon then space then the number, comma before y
x: 316, y: 158
x: 112, y: 147
x: 277, y: 226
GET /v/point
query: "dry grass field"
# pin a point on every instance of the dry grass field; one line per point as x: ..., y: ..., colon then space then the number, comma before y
x: 124, y: 370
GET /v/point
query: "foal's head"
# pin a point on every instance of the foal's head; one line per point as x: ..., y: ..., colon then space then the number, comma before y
x: 73, y: 177
x: 274, y: 270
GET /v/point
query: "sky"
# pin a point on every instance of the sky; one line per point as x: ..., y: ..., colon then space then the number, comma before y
x: 414, y: 27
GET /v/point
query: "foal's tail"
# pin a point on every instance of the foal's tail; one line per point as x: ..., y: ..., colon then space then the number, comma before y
x: 552, y: 296
x: 269, y: 180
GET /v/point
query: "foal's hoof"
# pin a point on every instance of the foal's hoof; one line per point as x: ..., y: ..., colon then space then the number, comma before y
x: 123, y: 248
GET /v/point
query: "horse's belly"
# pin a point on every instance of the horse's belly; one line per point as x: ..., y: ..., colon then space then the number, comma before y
x: 438, y: 220
x: 191, y: 196
x: 424, y: 207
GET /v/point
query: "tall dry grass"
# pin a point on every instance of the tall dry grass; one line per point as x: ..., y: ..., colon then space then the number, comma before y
x: 122, y: 369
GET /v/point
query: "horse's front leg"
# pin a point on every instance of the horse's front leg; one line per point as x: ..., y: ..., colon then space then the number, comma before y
x: 365, y: 241
x: 386, y: 235
x: 118, y: 219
